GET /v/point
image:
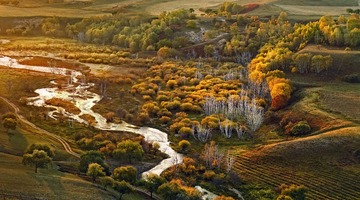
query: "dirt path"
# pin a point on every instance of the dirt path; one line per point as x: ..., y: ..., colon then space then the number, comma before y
x: 65, y: 144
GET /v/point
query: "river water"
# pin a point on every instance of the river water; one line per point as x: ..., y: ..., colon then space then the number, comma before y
x: 78, y: 93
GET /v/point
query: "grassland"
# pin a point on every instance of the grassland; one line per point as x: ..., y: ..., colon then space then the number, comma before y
x: 319, y: 2
x: 298, y: 10
x: 10, y: 11
x: 21, y: 181
x: 155, y: 9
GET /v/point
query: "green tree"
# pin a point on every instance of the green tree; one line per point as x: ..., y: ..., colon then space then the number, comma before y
x: 153, y: 182
x: 9, y: 123
x: 320, y: 63
x: 125, y: 173
x: 43, y: 147
x: 338, y: 36
x: 92, y: 157
x: 128, y: 149
x: 284, y: 197
x: 106, y: 181
x: 209, y: 50
x: 122, y: 187
x: 352, y: 23
x: 169, y: 190
x: 9, y: 115
x: 296, y: 192
x: 353, y: 38
x: 165, y: 52
x: 191, y: 24
x: 303, y: 62
x: 95, y: 170
x: 38, y: 159
x: 175, y: 189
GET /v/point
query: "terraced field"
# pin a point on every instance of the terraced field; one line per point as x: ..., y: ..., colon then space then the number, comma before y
x: 323, y: 181
x: 327, y: 183
x: 323, y: 163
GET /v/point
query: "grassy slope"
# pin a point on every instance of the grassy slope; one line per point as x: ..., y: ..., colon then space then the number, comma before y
x: 176, y: 4
x: 300, y: 10
x: 10, y: 11
x: 51, y: 184
x: 19, y: 180
x: 305, y: 10
x: 324, y: 161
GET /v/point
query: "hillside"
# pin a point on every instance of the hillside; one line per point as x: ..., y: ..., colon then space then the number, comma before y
x: 77, y: 9
x: 326, y: 162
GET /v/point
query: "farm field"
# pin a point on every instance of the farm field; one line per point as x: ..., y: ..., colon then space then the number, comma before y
x: 11, y: 11
x: 131, y: 7
x: 157, y: 8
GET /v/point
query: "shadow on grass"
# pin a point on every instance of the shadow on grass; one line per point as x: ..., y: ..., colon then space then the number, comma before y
x: 52, y: 181
x: 18, y: 143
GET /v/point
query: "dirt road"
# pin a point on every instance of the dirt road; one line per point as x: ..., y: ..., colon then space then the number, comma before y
x: 65, y: 144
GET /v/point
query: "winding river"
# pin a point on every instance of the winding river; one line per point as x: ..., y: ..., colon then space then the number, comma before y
x: 79, y: 94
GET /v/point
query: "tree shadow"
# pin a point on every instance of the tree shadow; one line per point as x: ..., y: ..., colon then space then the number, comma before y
x: 52, y: 183
x: 17, y: 141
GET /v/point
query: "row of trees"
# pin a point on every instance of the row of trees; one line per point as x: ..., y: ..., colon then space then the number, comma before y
x: 306, y: 62
x: 135, y: 33
x: 340, y: 32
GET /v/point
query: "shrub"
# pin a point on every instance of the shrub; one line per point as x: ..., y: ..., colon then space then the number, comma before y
x: 171, y: 84
x: 143, y: 118
x: 284, y: 197
x: 351, y: 78
x: 181, y: 115
x: 294, y: 191
x: 300, y: 128
x: 184, y: 145
x: 151, y: 107
x: 209, y: 174
x: 172, y: 105
x: 165, y: 119
x: 185, y: 122
x: 149, y: 92
x: 162, y: 98
x: 164, y: 112
x: 146, y: 97
x: 191, y: 24
x: 186, y: 107
x: 185, y: 132
x: 294, y: 70
x: 196, y: 108
x: 127, y: 173
x: 211, y: 121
